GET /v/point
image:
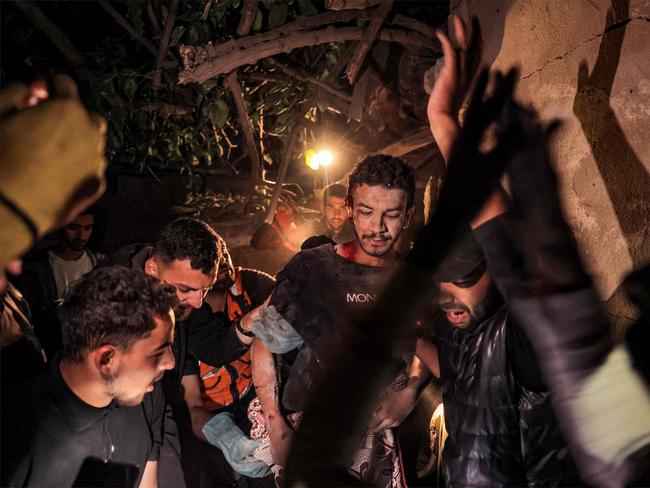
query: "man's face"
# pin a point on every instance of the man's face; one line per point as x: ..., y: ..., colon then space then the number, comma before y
x: 335, y: 212
x: 76, y: 234
x: 143, y: 364
x: 467, y: 304
x: 226, y: 274
x: 191, y: 284
x: 378, y: 215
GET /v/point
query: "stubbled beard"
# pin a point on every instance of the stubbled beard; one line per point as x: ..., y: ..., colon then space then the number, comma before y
x: 369, y: 250
x: 182, y: 312
x: 115, y: 394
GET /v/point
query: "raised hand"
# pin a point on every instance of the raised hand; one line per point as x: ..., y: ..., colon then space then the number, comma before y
x: 461, y: 60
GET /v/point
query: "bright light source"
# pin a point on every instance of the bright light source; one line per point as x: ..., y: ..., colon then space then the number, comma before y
x: 317, y: 159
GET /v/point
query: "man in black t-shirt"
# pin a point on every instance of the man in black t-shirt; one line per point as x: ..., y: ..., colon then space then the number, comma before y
x: 99, y: 409
x: 318, y: 291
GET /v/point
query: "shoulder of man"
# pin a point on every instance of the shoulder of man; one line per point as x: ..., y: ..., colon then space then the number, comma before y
x: 256, y: 283
x: 306, y: 259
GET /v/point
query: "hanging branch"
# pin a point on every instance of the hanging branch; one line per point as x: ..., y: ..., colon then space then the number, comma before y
x: 52, y: 31
x: 200, y: 67
x: 120, y: 19
x: 282, y: 174
x: 164, y: 42
x: 232, y: 83
x: 310, y: 79
x: 351, y: 4
x: 376, y: 21
x: 248, y: 11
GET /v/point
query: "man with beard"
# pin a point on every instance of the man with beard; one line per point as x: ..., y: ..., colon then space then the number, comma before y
x: 501, y: 429
x: 224, y: 390
x: 99, y: 409
x: 186, y: 254
x: 334, y: 223
x: 316, y: 293
x: 48, y: 273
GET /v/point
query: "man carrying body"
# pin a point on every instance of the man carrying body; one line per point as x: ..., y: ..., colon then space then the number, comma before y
x: 46, y: 276
x: 334, y: 223
x: 228, y: 389
x: 318, y: 290
x: 100, y: 403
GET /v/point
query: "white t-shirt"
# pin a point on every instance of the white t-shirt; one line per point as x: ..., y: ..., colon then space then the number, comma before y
x: 65, y: 272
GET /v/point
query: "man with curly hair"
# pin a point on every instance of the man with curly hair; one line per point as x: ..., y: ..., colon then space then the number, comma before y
x: 99, y: 409
x: 316, y: 293
x: 186, y: 254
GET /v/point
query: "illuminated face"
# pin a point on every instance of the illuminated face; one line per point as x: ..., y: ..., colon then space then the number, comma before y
x: 137, y: 369
x: 76, y: 234
x: 191, y: 284
x: 335, y: 212
x: 466, y: 304
x: 379, y: 215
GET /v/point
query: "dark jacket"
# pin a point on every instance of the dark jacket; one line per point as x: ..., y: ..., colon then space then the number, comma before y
x: 501, y: 428
x: 38, y: 286
x: 500, y: 432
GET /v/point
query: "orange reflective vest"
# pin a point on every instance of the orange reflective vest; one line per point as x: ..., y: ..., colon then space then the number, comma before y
x: 223, y: 386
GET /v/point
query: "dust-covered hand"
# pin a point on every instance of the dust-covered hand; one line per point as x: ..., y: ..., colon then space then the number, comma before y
x: 222, y: 432
x: 277, y: 334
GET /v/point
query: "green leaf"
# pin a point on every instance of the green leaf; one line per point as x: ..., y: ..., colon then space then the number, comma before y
x: 177, y: 33
x: 257, y: 23
x: 218, y: 113
x: 129, y: 86
x: 278, y: 14
x: 305, y: 7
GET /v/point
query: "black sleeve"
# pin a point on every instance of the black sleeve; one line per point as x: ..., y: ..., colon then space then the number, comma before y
x: 522, y: 359
x: 504, y: 263
x: 214, y: 341
x: 257, y: 284
x: 156, y: 414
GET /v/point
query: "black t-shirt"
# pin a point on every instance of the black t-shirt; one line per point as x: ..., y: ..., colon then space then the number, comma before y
x: 318, y: 293
x: 48, y: 432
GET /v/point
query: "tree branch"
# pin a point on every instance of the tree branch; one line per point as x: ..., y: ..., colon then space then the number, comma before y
x: 201, y: 67
x: 377, y: 19
x: 120, y: 19
x: 51, y: 30
x: 248, y: 11
x: 154, y: 20
x: 416, y: 25
x: 300, y: 24
x: 206, y: 10
x: 164, y: 42
x: 351, y: 4
x: 310, y: 79
x: 232, y: 83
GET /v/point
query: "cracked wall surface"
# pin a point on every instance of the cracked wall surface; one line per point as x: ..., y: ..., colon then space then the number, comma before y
x: 603, y: 149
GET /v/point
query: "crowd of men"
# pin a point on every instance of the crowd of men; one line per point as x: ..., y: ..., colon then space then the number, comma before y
x: 166, y: 364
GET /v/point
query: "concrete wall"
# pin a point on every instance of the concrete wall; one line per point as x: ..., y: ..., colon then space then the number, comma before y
x: 586, y: 62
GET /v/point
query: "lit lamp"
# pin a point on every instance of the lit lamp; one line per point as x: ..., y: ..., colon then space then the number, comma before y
x: 317, y: 159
